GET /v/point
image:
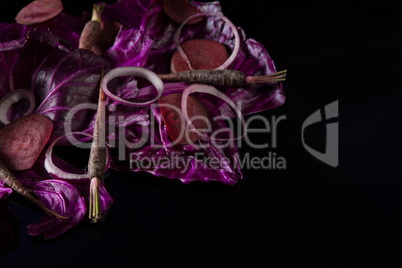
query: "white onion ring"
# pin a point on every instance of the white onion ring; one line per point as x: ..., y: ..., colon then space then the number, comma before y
x: 51, y: 168
x: 132, y: 71
x: 236, y: 47
x: 201, y: 88
x: 13, y: 97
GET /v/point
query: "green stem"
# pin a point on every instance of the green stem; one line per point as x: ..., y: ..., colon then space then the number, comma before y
x: 97, y: 10
x: 95, y: 211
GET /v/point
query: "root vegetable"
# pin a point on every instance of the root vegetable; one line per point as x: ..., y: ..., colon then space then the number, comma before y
x: 109, y: 31
x: 92, y: 29
x: 97, y: 159
x: 226, y: 78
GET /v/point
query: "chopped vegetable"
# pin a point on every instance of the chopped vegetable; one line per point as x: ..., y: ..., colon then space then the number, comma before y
x: 180, y: 10
x: 39, y: 11
x: 54, y: 170
x: 213, y: 91
x: 131, y: 71
x: 236, y: 47
x: 176, y: 126
x: 16, y: 97
x: 23, y: 140
x: 202, y: 54
x: 64, y: 82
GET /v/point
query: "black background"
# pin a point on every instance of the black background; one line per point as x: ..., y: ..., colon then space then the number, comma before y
x: 307, y: 215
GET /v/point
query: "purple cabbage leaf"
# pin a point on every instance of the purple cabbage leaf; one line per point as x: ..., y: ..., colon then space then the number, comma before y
x: 252, y: 59
x: 60, y: 80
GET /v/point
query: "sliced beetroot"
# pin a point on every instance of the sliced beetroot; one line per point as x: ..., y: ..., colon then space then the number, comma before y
x: 203, y: 54
x: 23, y: 139
x: 176, y: 126
x: 180, y: 10
x: 39, y: 11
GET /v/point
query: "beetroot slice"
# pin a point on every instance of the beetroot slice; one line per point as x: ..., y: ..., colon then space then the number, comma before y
x: 22, y: 141
x: 180, y: 10
x: 203, y: 55
x: 39, y: 11
x: 176, y: 126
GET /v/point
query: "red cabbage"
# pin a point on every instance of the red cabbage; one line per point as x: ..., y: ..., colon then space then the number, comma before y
x: 62, y: 77
x: 155, y: 42
x: 67, y: 27
x: 62, y: 198
x: 186, y: 162
x: 4, y: 190
x: 60, y: 80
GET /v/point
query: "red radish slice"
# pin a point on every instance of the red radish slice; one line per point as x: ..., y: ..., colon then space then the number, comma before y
x: 176, y: 124
x: 39, y: 11
x: 180, y: 10
x: 236, y: 46
x: 203, y: 54
x: 23, y: 140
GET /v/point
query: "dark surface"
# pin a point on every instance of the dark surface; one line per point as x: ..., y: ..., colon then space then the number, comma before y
x: 307, y: 215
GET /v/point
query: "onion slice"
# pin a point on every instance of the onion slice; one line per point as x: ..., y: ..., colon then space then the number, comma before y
x: 201, y: 88
x: 13, y: 97
x: 236, y: 47
x: 55, y: 171
x: 132, y: 71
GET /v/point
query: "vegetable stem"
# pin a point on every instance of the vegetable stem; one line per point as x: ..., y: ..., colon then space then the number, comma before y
x: 97, y: 11
x: 97, y: 158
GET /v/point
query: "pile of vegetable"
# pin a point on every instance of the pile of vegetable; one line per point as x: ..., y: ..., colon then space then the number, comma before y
x: 137, y: 66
